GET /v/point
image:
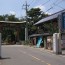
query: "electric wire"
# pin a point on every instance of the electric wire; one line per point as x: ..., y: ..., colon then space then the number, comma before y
x: 46, y: 2
x: 59, y: 6
x: 54, y: 4
x: 33, y: 2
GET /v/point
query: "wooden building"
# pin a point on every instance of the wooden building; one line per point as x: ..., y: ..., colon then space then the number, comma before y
x: 54, y: 23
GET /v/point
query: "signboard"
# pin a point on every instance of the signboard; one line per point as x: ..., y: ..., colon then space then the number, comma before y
x: 63, y: 20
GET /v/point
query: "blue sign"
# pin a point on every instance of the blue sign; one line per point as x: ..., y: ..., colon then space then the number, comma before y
x: 63, y: 20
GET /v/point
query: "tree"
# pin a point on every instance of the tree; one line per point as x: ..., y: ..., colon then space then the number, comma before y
x: 34, y: 15
x: 11, y: 18
x: 1, y: 18
x: 8, y: 17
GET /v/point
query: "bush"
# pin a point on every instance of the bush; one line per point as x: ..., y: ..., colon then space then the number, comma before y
x: 27, y: 42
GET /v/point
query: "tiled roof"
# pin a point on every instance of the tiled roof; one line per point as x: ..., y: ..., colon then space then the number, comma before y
x: 53, y: 16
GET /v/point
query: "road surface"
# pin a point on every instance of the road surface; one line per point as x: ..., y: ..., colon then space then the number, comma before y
x: 25, y: 55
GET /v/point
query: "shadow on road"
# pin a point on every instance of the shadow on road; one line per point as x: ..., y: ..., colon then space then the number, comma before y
x: 63, y: 54
x: 3, y: 58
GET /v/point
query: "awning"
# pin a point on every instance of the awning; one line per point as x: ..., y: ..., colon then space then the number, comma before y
x: 44, y: 34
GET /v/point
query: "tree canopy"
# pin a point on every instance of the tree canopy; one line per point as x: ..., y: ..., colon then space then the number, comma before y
x: 8, y: 18
x: 34, y: 15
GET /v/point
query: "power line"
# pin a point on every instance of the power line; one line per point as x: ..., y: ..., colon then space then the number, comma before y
x: 59, y: 6
x: 51, y: 6
x: 37, y: 0
x: 31, y: 2
x: 46, y: 2
x: 49, y: 9
x: 54, y: 4
x: 60, y: 1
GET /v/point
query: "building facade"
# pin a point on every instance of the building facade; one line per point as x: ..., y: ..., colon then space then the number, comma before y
x: 54, y: 23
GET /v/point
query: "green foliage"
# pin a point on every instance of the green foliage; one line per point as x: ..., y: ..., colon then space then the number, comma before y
x: 34, y: 15
x: 1, y: 18
x: 51, y: 28
x: 22, y: 34
x: 34, y: 12
x: 27, y: 42
x: 8, y: 17
x: 12, y: 18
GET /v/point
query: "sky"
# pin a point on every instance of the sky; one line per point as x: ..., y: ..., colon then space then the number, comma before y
x: 15, y: 6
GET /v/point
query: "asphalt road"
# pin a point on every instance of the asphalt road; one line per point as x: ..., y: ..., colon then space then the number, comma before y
x: 25, y: 55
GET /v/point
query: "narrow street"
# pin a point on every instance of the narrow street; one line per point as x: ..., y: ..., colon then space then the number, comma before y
x: 25, y: 55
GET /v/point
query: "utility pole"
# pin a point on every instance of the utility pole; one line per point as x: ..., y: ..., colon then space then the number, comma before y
x: 26, y: 26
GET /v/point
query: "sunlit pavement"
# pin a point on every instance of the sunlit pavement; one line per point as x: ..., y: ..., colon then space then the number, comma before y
x: 26, y: 55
